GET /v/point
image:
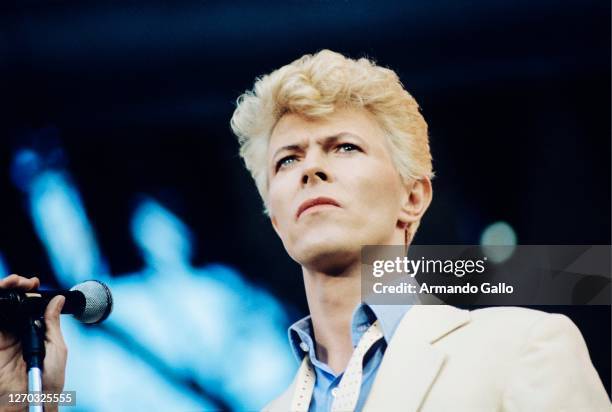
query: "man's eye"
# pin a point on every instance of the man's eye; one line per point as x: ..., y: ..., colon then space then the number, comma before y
x: 285, y: 161
x: 347, y: 147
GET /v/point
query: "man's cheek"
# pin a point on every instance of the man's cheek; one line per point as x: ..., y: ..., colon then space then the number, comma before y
x: 369, y: 192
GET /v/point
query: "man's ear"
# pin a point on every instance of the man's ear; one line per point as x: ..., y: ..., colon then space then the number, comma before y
x: 415, y: 201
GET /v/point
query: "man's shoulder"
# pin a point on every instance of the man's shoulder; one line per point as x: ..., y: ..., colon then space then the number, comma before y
x: 515, y: 316
x: 507, y: 316
x: 517, y: 319
x: 512, y: 330
x: 498, y: 324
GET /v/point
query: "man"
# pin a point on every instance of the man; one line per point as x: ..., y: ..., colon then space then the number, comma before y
x: 340, y: 155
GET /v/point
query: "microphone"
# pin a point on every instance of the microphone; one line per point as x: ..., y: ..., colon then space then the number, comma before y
x: 89, y: 302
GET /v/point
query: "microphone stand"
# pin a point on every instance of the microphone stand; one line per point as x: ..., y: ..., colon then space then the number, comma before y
x: 33, y: 348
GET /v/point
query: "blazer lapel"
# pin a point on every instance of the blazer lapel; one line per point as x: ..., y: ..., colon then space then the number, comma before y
x: 411, y: 363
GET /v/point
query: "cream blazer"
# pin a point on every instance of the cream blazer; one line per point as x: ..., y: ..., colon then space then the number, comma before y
x: 495, y: 359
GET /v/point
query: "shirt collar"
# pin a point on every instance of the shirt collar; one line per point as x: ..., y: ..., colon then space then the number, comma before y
x: 389, y: 317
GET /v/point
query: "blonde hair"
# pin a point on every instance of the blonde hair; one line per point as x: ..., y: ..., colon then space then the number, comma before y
x: 315, y: 86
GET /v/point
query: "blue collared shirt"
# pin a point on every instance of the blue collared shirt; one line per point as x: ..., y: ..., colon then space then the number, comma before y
x: 301, y: 340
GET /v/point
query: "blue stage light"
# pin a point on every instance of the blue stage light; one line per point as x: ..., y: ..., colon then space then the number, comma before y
x: 174, y: 326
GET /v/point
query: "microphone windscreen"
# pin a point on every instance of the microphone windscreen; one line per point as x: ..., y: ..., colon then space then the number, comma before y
x: 98, y: 301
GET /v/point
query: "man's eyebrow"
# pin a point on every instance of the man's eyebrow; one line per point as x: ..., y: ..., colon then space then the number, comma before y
x: 290, y: 147
x: 325, y: 141
x: 339, y: 136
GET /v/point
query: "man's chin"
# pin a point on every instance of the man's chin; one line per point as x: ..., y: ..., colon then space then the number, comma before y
x: 327, y: 256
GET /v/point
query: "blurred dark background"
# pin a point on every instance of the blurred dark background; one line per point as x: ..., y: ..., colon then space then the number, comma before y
x: 138, y: 96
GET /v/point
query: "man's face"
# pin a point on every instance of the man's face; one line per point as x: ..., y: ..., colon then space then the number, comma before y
x: 332, y: 186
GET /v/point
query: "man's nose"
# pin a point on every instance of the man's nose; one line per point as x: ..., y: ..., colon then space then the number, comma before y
x: 314, y: 171
x: 312, y: 175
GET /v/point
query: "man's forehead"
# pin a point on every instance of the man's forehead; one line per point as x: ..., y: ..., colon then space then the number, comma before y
x: 298, y: 126
x: 295, y: 129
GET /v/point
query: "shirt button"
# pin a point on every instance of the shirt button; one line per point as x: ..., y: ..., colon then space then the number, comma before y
x: 304, y: 346
x: 334, y: 392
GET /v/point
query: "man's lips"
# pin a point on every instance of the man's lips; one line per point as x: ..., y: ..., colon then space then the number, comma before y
x: 315, y: 202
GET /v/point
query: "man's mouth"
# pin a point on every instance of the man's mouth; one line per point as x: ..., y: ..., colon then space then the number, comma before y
x: 315, y: 202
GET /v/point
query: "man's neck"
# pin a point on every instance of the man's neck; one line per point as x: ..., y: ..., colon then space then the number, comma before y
x: 332, y: 300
